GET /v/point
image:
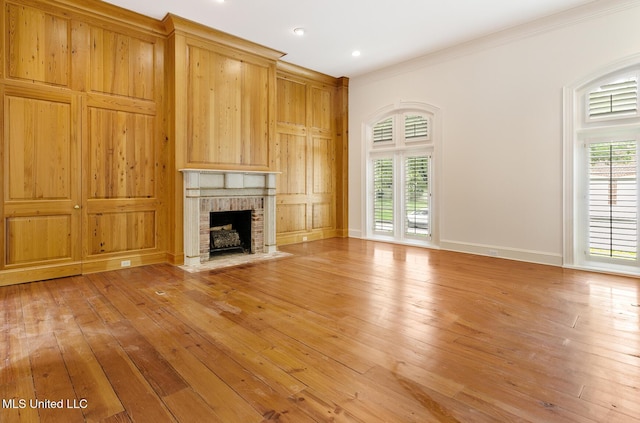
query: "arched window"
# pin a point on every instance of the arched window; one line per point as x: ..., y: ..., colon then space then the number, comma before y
x: 400, y: 200
x: 601, y: 168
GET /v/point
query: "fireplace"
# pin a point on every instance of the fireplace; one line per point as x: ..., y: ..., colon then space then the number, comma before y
x: 207, y: 192
x: 230, y: 231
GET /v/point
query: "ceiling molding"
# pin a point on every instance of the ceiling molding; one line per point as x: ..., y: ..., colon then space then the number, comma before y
x: 549, y: 23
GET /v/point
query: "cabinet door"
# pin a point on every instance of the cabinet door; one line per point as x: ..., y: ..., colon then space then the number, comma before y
x: 41, y: 186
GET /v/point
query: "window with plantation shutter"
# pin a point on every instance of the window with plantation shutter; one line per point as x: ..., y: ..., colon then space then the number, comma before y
x: 383, y: 192
x: 400, y: 161
x: 383, y: 131
x: 602, y: 137
x: 613, y: 200
x: 614, y: 99
x: 416, y: 126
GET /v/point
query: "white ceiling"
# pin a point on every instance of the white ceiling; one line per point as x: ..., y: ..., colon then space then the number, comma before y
x: 386, y: 32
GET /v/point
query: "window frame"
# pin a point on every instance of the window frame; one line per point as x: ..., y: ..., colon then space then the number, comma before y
x: 580, y: 130
x: 398, y: 149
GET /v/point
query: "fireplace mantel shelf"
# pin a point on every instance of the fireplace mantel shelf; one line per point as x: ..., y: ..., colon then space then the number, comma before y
x: 247, y: 172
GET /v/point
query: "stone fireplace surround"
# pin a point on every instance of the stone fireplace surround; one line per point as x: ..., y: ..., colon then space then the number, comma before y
x: 207, y: 191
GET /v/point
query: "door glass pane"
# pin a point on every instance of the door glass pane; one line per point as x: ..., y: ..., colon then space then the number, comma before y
x: 613, y: 218
x: 417, y: 196
x: 383, y: 195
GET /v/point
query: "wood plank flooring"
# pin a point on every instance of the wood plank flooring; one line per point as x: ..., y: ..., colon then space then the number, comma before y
x: 343, y: 330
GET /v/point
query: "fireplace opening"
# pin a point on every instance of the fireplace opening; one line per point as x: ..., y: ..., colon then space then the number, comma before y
x: 230, y: 231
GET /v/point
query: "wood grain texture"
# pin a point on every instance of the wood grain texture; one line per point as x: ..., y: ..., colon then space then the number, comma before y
x: 307, y: 154
x: 38, y: 45
x: 342, y: 330
x: 229, y: 103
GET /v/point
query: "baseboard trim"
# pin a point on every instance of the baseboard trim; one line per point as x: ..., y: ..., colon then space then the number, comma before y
x: 530, y: 256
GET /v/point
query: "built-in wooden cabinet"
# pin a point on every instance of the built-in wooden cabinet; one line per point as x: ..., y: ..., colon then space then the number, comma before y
x: 100, y: 108
x: 82, y: 149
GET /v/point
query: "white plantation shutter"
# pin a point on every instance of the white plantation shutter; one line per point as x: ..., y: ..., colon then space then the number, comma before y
x: 416, y: 126
x: 614, y: 99
x: 417, y: 196
x: 383, y: 192
x: 383, y: 131
x: 613, y: 200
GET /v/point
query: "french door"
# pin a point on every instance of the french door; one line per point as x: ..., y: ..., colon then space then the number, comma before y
x: 400, y: 197
x: 612, y: 201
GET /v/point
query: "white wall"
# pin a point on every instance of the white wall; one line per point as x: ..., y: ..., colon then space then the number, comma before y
x: 501, y: 178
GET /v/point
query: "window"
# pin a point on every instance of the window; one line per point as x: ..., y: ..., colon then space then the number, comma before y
x: 601, y: 168
x: 613, y: 200
x: 400, y: 204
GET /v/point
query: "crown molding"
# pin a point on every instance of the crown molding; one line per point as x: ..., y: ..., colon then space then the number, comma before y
x: 548, y: 23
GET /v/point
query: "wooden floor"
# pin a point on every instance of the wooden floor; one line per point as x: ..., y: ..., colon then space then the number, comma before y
x: 343, y: 330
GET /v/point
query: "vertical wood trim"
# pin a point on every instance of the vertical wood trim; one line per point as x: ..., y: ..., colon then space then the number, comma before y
x: 3, y: 225
x: 341, y: 108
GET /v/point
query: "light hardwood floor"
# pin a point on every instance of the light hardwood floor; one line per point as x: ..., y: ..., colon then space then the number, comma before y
x: 343, y: 330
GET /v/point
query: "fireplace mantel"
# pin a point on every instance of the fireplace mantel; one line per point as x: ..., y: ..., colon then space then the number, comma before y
x: 207, y: 190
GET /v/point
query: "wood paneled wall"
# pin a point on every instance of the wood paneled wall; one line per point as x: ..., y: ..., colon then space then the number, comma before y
x: 100, y: 109
x: 309, y: 152
x: 82, y: 149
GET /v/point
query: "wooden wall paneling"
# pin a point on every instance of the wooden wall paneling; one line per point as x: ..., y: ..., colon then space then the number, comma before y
x: 229, y: 102
x: 321, y: 107
x: 256, y: 115
x: 322, y: 215
x: 176, y: 126
x: 308, y: 107
x: 291, y: 218
x: 123, y: 155
x: 121, y: 231
x: 121, y: 64
x: 291, y: 153
x: 38, y: 45
x: 3, y: 143
x: 292, y: 102
x: 125, y: 152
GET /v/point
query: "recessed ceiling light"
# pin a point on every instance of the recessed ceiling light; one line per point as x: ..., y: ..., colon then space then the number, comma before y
x: 299, y: 31
x: 356, y: 53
